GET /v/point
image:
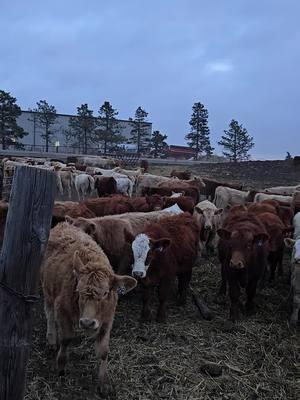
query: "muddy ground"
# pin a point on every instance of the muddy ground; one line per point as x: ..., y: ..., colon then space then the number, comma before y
x: 258, y: 357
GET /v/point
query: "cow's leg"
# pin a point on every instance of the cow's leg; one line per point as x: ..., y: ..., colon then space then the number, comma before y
x: 183, y: 284
x: 163, y: 292
x: 251, y: 291
x: 102, y: 350
x: 273, y: 264
x: 65, y: 333
x: 234, y: 293
x: 223, y: 286
x: 146, y: 295
x: 51, y: 328
x: 69, y: 191
x: 280, y: 260
x: 296, y: 309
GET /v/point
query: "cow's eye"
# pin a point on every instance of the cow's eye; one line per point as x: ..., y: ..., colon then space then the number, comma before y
x: 105, y: 293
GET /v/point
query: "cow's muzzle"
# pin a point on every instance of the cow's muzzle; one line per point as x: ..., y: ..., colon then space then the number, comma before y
x: 237, y: 264
x: 87, y: 323
x: 138, y: 274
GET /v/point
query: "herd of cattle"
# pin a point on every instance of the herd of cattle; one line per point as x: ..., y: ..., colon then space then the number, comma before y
x: 149, y: 230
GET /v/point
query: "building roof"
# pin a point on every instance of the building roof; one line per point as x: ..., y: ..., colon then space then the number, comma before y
x: 74, y: 115
x: 181, y: 150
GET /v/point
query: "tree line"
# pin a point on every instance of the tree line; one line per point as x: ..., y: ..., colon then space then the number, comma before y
x: 85, y: 130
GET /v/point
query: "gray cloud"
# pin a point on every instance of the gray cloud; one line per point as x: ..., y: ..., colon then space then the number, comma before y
x: 240, y: 58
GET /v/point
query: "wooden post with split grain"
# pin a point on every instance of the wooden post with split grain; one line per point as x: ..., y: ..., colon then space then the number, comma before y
x: 27, y: 229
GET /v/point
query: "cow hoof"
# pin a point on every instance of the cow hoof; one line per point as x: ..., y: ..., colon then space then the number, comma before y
x: 161, y: 319
x: 249, y: 309
x: 51, y: 349
x: 293, y: 324
x: 145, y: 317
x: 181, y: 301
x: 104, y: 390
x: 220, y: 298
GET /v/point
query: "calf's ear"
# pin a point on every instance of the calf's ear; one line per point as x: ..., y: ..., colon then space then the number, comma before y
x: 129, y: 237
x: 69, y: 219
x: 161, y: 244
x: 219, y: 211
x: 289, y: 242
x: 287, y: 231
x: 123, y: 284
x: 224, y: 233
x: 86, y: 225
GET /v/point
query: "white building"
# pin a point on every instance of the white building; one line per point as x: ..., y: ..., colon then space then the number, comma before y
x: 34, y: 141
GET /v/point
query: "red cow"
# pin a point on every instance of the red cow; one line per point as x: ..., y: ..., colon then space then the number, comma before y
x: 71, y: 208
x: 186, y: 203
x: 164, y: 191
x: 184, y: 175
x: 121, y: 204
x: 163, y: 251
x: 210, y: 187
x: 277, y: 232
x: 105, y: 185
x: 243, y: 251
x: 109, y: 205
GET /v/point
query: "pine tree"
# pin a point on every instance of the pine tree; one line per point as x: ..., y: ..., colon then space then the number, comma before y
x: 109, y: 127
x: 158, y: 144
x: 10, y: 131
x: 140, y: 131
x: 46, y: 116
x: 288, y: 156
x: 199, y: 138
x: 236, y: 142
x: 82, y: 128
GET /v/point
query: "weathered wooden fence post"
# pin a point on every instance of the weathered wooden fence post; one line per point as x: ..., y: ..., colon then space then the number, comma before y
x: 27, y: 229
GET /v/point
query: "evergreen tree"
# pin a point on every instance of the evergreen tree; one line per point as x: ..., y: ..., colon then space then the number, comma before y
x: 199, y: 138
x: 158, y: 144
x: 109, y: 127
x: 236, y: 142
x: 46, y: 116
x: 81, y: 130
x: 140, y: 131
x: 10, y: 131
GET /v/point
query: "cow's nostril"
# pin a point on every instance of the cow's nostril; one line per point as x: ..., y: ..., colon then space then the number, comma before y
x: 138, y: 274
x: 87, y: 323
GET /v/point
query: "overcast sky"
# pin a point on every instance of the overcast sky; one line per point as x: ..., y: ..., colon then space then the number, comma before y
x: 239, y: 57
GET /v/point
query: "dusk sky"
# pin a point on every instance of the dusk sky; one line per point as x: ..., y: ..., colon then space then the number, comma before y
x: 240, y: 58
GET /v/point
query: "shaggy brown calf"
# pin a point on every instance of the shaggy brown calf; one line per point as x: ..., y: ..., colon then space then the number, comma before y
x: 161, y: 252
x: 80, y: 287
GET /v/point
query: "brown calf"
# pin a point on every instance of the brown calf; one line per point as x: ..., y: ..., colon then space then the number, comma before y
x: 80, y: 287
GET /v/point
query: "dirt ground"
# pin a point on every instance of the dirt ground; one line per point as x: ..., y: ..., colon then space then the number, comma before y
x: 257, y: 358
